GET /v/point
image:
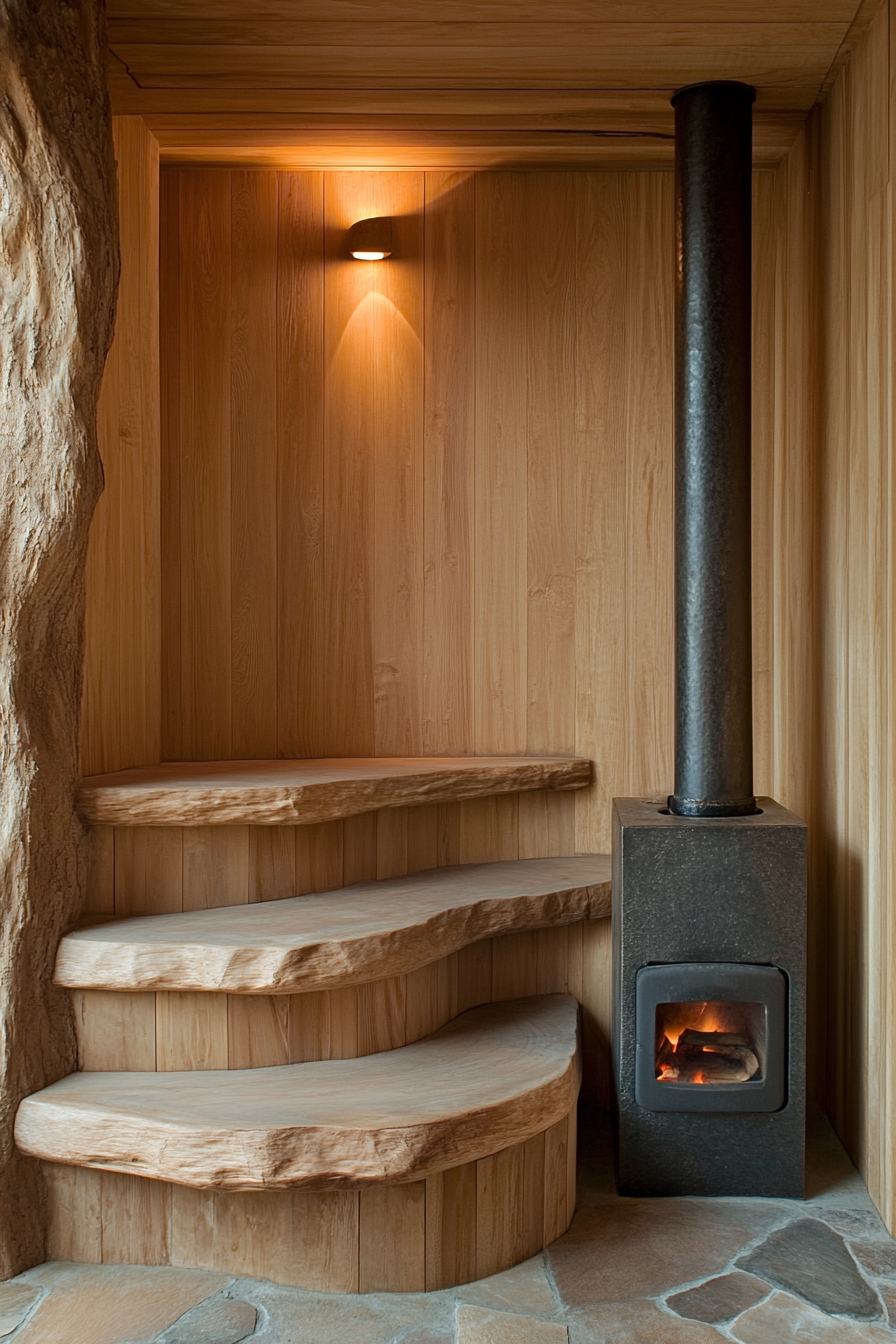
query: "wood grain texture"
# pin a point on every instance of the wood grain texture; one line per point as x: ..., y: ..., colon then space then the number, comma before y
x: 254, y: 225
x: 282, y: 793
x: 449, y: 409
x: 398, y: 467
x: 121, y: 711
x: 313, y: 1240
x: 847, y: 162
x: 430, y: 53
x: 451, y: 1227
x: 347, y: 937
x: 499, y: 471
x: 115, y: 1031
x: 301, y: 598
x: 204, y: 466
x: 392, y: 1242
x: 495, y: 1076
x: 149, y: 870
x: 332, y: 134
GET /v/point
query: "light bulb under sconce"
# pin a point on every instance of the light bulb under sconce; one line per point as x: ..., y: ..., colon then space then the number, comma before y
x: 371, y: 239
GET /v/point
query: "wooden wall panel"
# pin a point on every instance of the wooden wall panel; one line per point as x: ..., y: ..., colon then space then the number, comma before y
x: 851, y: 172
x: 449, y: 408
x: 121, y: 716
x: 253, y: 417
x: 302, y: 617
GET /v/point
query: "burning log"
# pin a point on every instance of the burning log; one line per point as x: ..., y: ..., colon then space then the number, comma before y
x: 707, y: 1057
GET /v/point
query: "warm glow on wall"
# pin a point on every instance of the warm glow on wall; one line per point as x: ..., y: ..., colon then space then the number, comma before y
x: 371, y: 239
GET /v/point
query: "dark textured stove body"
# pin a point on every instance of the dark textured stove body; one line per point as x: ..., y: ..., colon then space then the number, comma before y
x: 709, y: 938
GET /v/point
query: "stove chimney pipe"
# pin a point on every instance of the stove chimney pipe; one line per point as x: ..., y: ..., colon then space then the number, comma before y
x: 713, y: 665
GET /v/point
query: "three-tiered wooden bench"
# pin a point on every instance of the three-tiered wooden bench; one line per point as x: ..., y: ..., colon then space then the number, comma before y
x: 326, y: 1087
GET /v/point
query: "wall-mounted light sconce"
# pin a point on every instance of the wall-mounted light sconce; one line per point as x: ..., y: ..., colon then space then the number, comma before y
x: 371, y: 239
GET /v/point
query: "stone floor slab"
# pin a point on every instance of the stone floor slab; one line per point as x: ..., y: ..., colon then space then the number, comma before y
x: 16, y: 1300
x: 878, y: 1257
x: 783, y: 1319
x: 293, y: 1316
x: 111, y: 1304
x: 526, y: 1289
x: 810, y: 1259
x: 637, y: 1323
x: 221, y: 1320
x: 719, y: 1299
x: 478, y: 1325
x: 623, y: 1249
x: 888, y: 1293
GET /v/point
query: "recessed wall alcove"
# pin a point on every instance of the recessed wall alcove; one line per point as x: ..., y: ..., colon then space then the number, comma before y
x: 422, y: 508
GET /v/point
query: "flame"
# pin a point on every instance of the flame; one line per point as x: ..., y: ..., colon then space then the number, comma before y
x: 698, y: 1078
x: 706, y: 1018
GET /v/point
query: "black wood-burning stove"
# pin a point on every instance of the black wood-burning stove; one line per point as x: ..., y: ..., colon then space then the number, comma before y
x: 709, y: 886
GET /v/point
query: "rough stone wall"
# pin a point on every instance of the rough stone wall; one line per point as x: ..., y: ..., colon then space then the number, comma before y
x: 58, y: 275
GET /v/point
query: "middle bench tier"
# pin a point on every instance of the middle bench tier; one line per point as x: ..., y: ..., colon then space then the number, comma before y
x: 338, y: 938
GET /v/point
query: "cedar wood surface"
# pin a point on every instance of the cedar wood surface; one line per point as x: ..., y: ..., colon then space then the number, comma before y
x: 449, y: 1229
x: 348, y: 937
x: 460, y: 84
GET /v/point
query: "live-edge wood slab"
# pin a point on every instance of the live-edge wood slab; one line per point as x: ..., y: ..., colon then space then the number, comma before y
x: 289, y: 793
x: 346, y: 937
x: 495, y: 1076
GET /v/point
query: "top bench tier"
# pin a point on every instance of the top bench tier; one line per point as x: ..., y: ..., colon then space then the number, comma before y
x: 291, y: 793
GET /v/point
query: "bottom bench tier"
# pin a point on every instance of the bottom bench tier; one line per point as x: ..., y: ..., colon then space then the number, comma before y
x: 461, y: 1224
x: 417, y: 1168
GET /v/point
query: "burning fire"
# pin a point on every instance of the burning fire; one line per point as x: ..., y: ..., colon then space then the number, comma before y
x: 697, y: 1045
x: 706, y: 1018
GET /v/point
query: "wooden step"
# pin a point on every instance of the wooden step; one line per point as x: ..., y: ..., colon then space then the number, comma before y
x: 347, y: 937
x: 290, y: 793
x: 493, y: 1077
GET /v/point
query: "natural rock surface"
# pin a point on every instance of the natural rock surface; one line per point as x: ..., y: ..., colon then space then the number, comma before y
x: 477, y: 1325
x: 638, y: 1323
x: 620, y: 1249
x: 809, y: 1259
x: 111, y: 1304
x: 293, y: 1316
x: 785, y: 1320
x: 524, y: 1289
x: 16, y: 1300
x: 58, y: 269
x: 878, y: 1258
x: 221, y: 1320
x: 719, y: 1299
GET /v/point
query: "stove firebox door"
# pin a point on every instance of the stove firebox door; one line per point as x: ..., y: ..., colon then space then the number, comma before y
x: 711, y: 1036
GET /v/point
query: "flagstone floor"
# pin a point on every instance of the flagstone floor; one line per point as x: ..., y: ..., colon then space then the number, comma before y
x: 629, y: 1271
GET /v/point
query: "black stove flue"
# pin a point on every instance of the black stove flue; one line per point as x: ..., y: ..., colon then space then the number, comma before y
x: 713, y: 672
x: 709, y: 886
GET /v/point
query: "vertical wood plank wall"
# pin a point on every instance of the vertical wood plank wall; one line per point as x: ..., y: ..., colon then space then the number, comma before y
x: 121, y: 721
x: 425, y: 505
x: 855, y: 174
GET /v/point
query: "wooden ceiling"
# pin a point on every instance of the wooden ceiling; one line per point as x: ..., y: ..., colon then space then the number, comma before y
x: 437, y: 83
